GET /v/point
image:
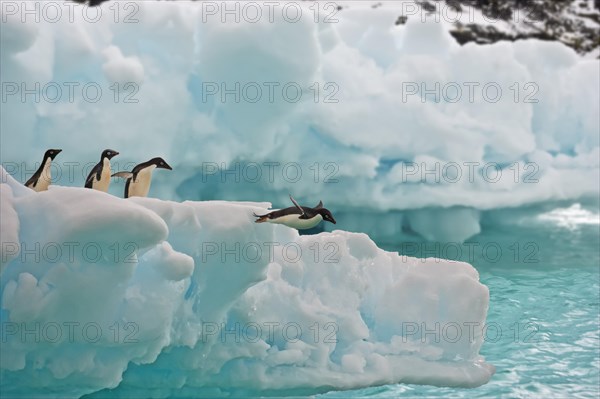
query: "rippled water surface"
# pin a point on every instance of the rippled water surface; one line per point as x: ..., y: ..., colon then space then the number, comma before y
x: 544, y: 309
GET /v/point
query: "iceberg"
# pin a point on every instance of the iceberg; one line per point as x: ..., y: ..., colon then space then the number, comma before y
x: 153, y: 298
x: 391, y: 117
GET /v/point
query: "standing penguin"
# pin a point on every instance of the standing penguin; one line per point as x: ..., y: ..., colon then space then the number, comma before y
x: 298, y: 217
x: 138, y: 180
x: 99, y: 177
x: 41, y: 178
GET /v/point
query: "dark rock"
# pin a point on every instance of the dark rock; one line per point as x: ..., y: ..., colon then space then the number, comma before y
x: 401, y: 20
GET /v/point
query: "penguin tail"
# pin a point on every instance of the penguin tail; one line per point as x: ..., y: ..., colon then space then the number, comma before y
x: 261, y: 218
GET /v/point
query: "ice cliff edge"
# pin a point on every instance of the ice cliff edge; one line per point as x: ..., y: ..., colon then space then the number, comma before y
x: 194, y: 299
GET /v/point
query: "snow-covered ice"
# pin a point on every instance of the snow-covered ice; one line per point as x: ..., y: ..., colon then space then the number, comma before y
x: 541, y: 133
x: 159, y: 298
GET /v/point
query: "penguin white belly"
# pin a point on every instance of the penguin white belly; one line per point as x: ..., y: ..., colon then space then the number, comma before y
x: 44, y: 179
x: 297, y: 223
x: 141, y: 186
x: 104, y: 182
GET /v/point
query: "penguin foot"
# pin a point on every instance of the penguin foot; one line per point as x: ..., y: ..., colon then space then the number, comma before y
x: 261, y: 218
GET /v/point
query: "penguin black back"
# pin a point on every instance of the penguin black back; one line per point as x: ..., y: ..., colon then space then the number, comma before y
x: 135, y: 186
x: 95, y: 174
x: 304, y: 212
x: 33, y: 181
x: 158, y: 162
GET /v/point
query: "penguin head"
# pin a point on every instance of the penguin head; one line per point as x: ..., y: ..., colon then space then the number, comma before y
x: 51, y: 153
x: 109, y: 153
x: 160, y: 163
x: 326, y: 214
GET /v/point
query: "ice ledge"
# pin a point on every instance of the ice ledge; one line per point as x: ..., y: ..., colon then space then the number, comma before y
x: 194, y: 299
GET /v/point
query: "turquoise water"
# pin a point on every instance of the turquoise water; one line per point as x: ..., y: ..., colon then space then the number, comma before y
x: 545, y: 307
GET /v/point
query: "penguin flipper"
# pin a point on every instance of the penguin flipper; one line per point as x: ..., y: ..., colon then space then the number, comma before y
x: 123, y: 175
x: 32, y: 182
x: 297, y: 206
x: 89, y: 181
x: 96, y: 171
x: 320, y: 205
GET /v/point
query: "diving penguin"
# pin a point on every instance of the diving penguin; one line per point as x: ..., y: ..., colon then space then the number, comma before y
x: 41, y: 178
x: 298, y: 217
x: 138, y: 180
x: 99, y: 177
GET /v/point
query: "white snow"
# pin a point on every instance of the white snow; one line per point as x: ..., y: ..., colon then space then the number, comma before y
x: 374, y: 127
x: 193, y: 288
x: 122, y: 69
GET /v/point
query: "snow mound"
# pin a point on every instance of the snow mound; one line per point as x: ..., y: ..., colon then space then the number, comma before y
x: 158, y: 298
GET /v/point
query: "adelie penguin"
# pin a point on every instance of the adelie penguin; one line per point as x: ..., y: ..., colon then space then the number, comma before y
x: 41, y: 178
x: 138, y: 181
x: 298, y: 217
x: 99, y: 177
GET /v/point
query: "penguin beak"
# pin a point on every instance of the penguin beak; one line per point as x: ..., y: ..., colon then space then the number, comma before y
x: 56, y: 152
x: 166, y: 166
x: 333, y: 220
